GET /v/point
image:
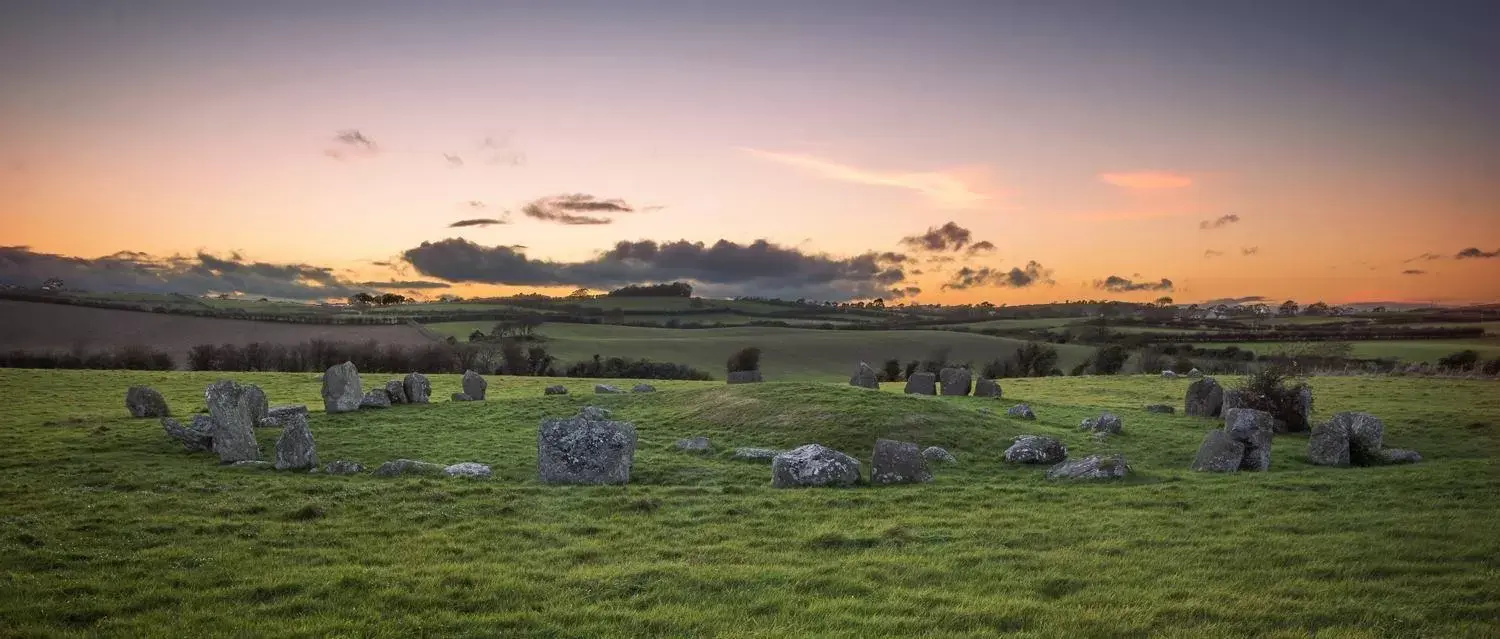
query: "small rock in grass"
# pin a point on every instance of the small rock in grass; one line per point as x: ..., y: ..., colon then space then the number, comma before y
x: 555, y: 389
x: 606, y: 389
x: 343, y: 467
x: 744, y: 377
x: 472, y: 470
x: 1021, y: 411
x: 143, y: 401
x: 1104, y: 423
x: 693, y: 445
x: 1399, y: 456
x: 1090, y: 468
x: 594, y: 413
x: 1036, y: 449
x: 938, y: 455
x: 397, y: 467
x: 252, y: 464
x: 462, y: 397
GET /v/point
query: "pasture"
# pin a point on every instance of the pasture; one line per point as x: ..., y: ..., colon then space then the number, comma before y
x: 787, y: 353
x: 1410, y: 351
x: 110, y: 529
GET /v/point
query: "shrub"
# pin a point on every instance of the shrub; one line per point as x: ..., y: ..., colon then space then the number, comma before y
x: 618, y: 367
x: 138, y: 358
x: 746, y: 359
x: 1275, y: 391
x: 1034, y: 359
x: 892, y: 370
x: 911, y: 367
x: 1492, y: 367
x: 1110, y: 359
x: 1459, y: 361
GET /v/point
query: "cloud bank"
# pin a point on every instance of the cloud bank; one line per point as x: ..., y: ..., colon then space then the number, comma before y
x: 1117, y: 284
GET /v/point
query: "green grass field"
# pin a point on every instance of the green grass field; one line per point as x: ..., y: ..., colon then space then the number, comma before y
x: 109, y: 529
x: 1022, y: 324
x: 1411, y: 351
x: 787, y: 353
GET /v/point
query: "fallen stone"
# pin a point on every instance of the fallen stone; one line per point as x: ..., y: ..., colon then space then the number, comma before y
x: 294, y: 448
x: 195, y: 438
x: 555, y: 389
x: 341, y: 391
x: 643, y: 388
x: 471, y: 470
x: 418, y: 389
x: 396, y: 390
x: 252, y: 464
x: 1169, y: 374
x: 693, y: 445
x: 606, y: 389
x: 1161, y: 408
x: 1036, y: 449
x: 921, y: 384
x: 986, y: 388
x: 865, y: 377
x: 144, y: 401
x: 1328, y: 445
x: 580, y: 450
x: 938, y: 455
x: 376, y: 398
x: 1399, y: 456
x: 1205, y: 398
x: 397, y: 467
x: 1104, y: 423
x: 813, y: 465
x: 1091, y: 468
x: 474, y: 385
x: 233, y: 410
x: 462, y: 397
x: 1021, y: 411
x: 744, y: 377
x: 896, y: 462
x: 343, y: 467
x: 277, y: 416
x: 955, y: 381
x: 594, y: 412
x: 754, y: 454
x: 1365, y: 433
x: 1219, y: 453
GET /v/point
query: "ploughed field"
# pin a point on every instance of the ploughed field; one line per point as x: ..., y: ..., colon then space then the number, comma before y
x: 37, y: 326
x: 110, y: 528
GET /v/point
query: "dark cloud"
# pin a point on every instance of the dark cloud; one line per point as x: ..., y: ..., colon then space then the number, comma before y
x: 1210, y: 253
x: 1474, y: 253
x: 757, y: 268
x: 575, y: 209
x: 1249, y: 251
x: 351, y: 143
x: 904, y: 292
x: 453, y: 160
x: 917, y: 271
x: 1413, y: 271
x: 1117, y: 284
x: 982, y: 246
x: 482, y: 221
x: 200, y: 274
x: 1233, y: 301
x: 948, y: 237
x: 406, y: 285
x: 1219, y: 222
x: 970, y: 277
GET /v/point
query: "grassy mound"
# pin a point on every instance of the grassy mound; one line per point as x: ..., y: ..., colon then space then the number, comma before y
x: 111, y: 529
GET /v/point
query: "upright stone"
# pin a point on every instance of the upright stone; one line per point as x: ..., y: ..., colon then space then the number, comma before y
x: 1195, y: 373
x: 232, y: 409
x: 956, y: 381
x: 582, y: 450
x: 896, y: 462
x: 396, y: 390
x: 1328, y: 445
x: 1301, y: 418
x: 1205, y: 398
x: 1253, y: 429
x: 986, y: 388
x: 417, y: 388
x: 475, y: 386
x: 1219, y: 453
x: 865, y: 377
x: 341, y: 391
x: 294, y: 448
x: 143, y: 401
x: 921, y: 384
x: 813, y: 465
x: 744, y: 377
x: 1365, y: 433
x: 259, y: 406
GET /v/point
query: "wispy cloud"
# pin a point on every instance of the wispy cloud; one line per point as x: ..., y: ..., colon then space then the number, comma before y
x: 945, y: 188
x: 1249, y: 251
x: 1425, y: 257
x: 1413, y: 271
x: 480, y: 222
x: 577, y: 209
x: 454, y: 161
x: 1117, y: 284
x: 1146, y: 180
x: 1219, y: 222
x: 351, y: 143
x: 1210, y: 253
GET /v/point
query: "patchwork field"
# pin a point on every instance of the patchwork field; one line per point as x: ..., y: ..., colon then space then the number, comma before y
x: 1412, y: 351
x: 110, y: 529
x: 787, y: 353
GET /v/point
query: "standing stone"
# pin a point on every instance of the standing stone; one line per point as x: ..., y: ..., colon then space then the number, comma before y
x: 232, y: 409
x: 1021, y: 411
x: 693, y: 445
x: 418, y: 389
x: 277, y: 416
x: 1219, y: 453
x: 195, y: 438
x: 1365, y: 432
x: 938, y: 455
x: 643, y: 388
x: 581, y: 450
x: 1091, y: 467
x: 1234, y: 398
x: 1036, y: 449
x: 1205, y: 398
x: 341, y: 391
x: 865, y: 377
x: 396, y: 390
x: 606, y: 389
x: 1328, y: 445
x: 471, y: 470
x: 921, y: 384
x: 1161, y: 409
x: 1253, y: 429
x: 555, y: 389
x: 260, y: 408
x: 475, y: 386
x: 956, y: 381
x: 294, y: 448
x: 744, y: 377
x: 813, y: 465
x: 986, y: 388
x: 376, y: 398
x: 1301, y: 418
x: 143, y: 401
x: 896, y: 462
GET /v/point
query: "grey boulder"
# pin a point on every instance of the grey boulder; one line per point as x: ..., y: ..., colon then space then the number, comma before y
x: 1349, y: 438
x: 233, y: 410
x: 1195, y: 373
x: 474, y: 385
x: 1253, y: 429
x: 376, y: 398
x: 1328, y: 445
x: 865, y: 377
x: 921, y: 384
x: 418, y: 388
x: 396, y: 390
x: 606, y: 389
x: 896, y: 462
x: 1036, y: 449
x: 1234, y: 398
x: 397, y: 467
x: 1399, y: 456
x: 813, y: 465
x: 1104, y: 423
x: 278, y: 416
x: 294, y: 448
x: 1169, y: 374
x: 197, y: 437
x: 693, y: 445
x: 955, y: 381
x: 343, y: 467
x: 986, y: 388
x: 471, y: 470
x: 341, y: 391
x: 555, y: 389
x: 461, y: 397
x: 1205, y: 398
x: 1021, y: 411
x: 581, y: 450
x: 594, y: 412
x: 1093, y: 467
x: 938, y: 455
x: 1219, y: 453
x: 143, y: 401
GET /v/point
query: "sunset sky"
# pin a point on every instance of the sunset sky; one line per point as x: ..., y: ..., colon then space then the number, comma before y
x: 1306, y: 150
